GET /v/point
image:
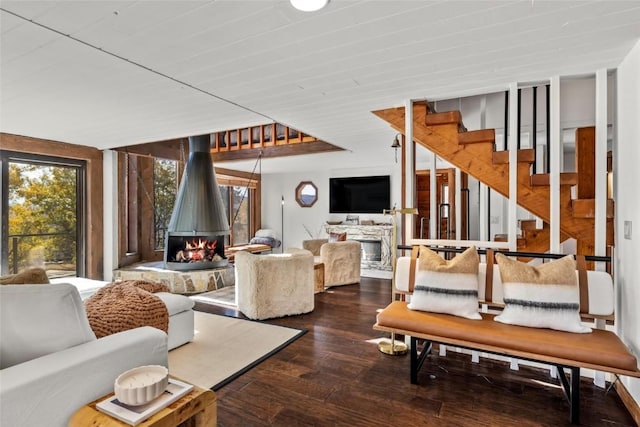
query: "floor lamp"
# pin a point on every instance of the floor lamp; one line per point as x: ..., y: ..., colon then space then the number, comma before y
x: 282, y: 225
x: 391, y: 346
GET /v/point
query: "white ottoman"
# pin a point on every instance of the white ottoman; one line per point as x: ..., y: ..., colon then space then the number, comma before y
x: 180, y: 309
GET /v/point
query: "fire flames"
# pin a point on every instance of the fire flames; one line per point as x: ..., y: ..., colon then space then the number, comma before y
x: 198, y: 251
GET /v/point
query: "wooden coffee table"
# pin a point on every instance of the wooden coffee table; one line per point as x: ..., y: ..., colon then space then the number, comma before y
x: 195, y: 409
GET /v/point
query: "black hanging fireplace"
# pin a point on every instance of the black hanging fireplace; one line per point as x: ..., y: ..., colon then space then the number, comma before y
x: 196, y: 233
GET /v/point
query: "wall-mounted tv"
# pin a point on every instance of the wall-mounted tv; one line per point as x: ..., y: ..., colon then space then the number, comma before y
x: 360, y: 194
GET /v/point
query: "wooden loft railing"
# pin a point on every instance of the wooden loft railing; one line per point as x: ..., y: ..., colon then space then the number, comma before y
x: 262, y: 136
x: 269, y: 140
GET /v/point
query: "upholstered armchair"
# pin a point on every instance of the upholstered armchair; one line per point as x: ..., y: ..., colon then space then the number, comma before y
x: 274, y: 285
x: 341, y: 260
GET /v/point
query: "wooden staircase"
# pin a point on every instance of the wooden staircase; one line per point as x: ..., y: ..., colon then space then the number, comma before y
x: 474, y: 153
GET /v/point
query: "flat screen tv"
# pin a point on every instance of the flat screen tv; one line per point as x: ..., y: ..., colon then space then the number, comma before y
x: 361, y: 194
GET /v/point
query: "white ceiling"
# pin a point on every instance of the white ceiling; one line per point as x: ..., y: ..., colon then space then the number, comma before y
x: 115, y: 73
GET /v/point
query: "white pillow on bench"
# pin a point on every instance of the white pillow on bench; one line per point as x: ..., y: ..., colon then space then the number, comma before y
x: 544, y: 296
x: 449, y: 287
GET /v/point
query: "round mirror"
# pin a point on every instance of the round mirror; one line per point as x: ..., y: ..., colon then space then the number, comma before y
x: 306, y: 194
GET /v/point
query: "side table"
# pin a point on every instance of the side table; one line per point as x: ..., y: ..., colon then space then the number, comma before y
x: 195, y: 409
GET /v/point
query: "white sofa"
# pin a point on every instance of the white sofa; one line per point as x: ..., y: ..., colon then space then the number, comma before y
x: 51, y: 362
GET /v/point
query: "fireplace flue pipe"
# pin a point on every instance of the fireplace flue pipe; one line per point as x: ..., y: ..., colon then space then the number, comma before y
x: 199, y: 209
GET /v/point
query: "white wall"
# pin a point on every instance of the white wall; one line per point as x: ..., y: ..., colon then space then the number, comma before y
x: 627, y: 175
x: 295, y: 218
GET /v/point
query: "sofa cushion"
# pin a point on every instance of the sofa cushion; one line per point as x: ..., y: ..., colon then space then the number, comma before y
x: 36, y: 320
x: 449, y: 287
x: 86, y: 287
x: 544, y: 296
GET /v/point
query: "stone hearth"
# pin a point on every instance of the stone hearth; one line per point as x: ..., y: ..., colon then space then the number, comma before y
x: 180, y: 282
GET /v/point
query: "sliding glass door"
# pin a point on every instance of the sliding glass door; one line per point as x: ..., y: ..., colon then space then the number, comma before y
x: 43, y: 214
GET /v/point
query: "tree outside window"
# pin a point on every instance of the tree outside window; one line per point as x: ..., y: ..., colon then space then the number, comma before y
x: 241, y: 215
x: 43, y: 218
x: 165, y: 188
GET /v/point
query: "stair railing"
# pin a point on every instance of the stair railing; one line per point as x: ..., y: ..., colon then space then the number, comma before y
x: 548, y: 147
x: 465, y: 191
x: 534, y: 129
x: 422, y: 219
x: 442, y: 209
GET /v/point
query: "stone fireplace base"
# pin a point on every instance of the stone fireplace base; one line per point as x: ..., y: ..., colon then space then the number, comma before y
x: 180, y: 282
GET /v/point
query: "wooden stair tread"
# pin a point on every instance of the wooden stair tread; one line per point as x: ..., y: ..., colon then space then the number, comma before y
x: 566, y: 178
x: 502, y: 237
x: 524, y: 155
x: 446, y: 118
x: 521, y: 242
x: 530, y: 224
x: 586, y: 208
x: 475, y: 136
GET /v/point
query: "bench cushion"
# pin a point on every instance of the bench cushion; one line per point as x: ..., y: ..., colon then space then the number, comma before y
x: 601, y: 350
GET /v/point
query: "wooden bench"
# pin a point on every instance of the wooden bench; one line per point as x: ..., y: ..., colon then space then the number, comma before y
x: 255, y: 248
x: 600, y: 350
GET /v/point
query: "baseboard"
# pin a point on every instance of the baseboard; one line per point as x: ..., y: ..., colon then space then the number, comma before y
x: 378, y: 274
x: 631, y: 405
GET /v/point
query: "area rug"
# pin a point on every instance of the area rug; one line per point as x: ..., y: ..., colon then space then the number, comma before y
x: 225, y: 296
x: 226, y: 347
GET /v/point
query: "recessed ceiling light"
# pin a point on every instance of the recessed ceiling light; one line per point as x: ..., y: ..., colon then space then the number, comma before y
x: 309, y: 5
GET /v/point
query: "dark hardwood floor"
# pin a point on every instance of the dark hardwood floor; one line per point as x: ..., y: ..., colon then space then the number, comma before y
x: 333, y: 376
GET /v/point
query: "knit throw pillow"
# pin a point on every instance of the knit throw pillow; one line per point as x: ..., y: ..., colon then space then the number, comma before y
x: 544, y: 296
x: 449, y: 287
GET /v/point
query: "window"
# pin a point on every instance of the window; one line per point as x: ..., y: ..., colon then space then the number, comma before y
x: 238, y: 203
x: 43, y: 214
x: 306, y: 194
x: 240, y: 224
x: 241, y: 196
x: 165, y: 188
